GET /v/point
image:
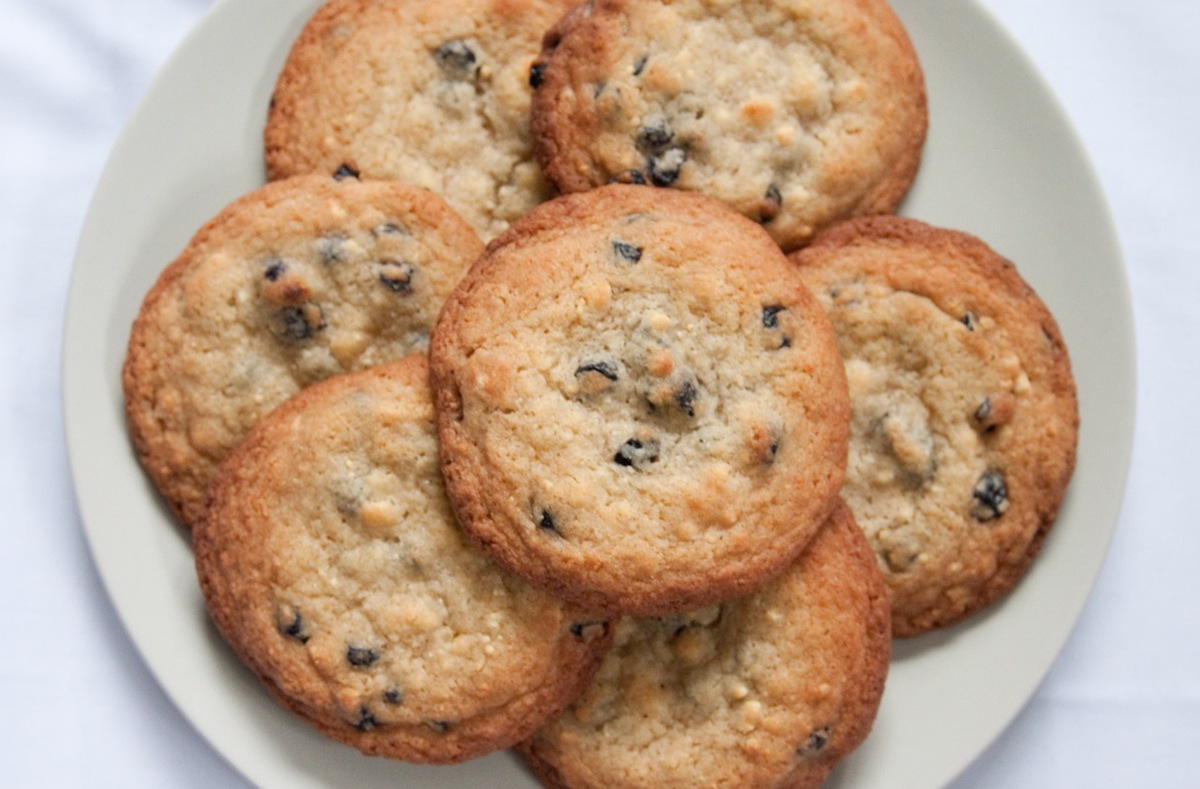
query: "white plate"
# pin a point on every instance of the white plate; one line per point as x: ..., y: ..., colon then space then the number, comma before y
x: 1001, y: 162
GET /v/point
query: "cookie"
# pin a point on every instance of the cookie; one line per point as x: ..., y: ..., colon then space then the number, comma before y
x: 331, y: 562
x: 771, y: 690
x: 641, y: 407
x: 435, y: 94
x: 965, y: 418
x: 287, y: 285
x: 797, y: 114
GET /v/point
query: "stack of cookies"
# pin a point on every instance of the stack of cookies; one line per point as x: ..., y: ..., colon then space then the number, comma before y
x: 572, y: 386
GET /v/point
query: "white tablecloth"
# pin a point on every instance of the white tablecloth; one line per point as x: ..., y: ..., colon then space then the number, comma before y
x: 1121, y: 706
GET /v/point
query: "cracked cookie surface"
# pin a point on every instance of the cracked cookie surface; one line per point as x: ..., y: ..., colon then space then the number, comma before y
x: 965, y: 418
x: 290, y: 284
x: 435, y: 94
x: 771, y: 690
x: 796, y: 114
x: 331, y: 562
x: 641, y: 407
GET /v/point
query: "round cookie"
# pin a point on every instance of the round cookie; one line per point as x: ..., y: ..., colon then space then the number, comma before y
x: 641, y: 407
x: 287, y: 285
x: 331, y: 562
x: 771, y: 690
x: 435, y: 94
x: 965, y: 417
x: 797, y: 114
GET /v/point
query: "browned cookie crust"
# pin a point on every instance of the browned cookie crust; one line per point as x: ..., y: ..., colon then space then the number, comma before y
x: 433, y: 93
x: 797, y: 114
x: 772, y: 690
x: 287, y: 285
x: 331, y: 562
x: 641, y: 408
x: 965, y: 418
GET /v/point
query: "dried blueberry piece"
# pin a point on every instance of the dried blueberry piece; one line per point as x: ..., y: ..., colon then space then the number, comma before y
x: 815, y: 743
x: 990, y: 496
x: 397, y: 277
x: 654, y: 136
x: 772, y: 204
x: 598, y: 89
x: 579, y: 628
x: 637, y: 452
x: 639, y: 65
x: 537, y: 73
x: 627, y: 251
x: 629, y: 177
x: 456, y: 59
x: 361, y: 657
x: 366, y: 721
x: 302, y: 322
x: 685, y: 397
x: 605, y: 368
x: 770, y: 315
x: 546, y: 522
x: 393, y: 696
x: 345, y: 171
x: 441, y: 727
x: 275, y: 270
x: 663, y: 169
x: 291, y: 624
x: 984, y: 411
x: 970, y: 321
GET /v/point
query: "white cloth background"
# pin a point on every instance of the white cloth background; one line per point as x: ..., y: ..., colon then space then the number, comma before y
x: 1121, y: 706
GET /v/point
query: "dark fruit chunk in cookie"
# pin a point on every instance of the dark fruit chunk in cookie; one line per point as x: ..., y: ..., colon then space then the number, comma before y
x: 815, y: 743
x: 291, y: 624
x: 637, y: 452
x: 772, y: 204
x: 456, y: 59
x: 770, y: 315
x: 301, y: 322
x: 655, y: 136
x: 366, y: 721
x: 361, y: 657
x: 604, y: 368
x: 663, y: 169
x: 345, y: 171
x: 396, y: 276
x: 990, y: 496
x: 537, y: 73
x: 627, y: 251
x: 546, y: 522
x: 275, y: 270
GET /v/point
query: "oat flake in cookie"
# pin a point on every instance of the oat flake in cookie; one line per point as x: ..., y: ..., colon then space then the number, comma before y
x: 965, y: 418
x: 331, y: 562
x: 641, y: 407
x: 292, y: 283
x: 768, y: 691
x: 433, y: 93
x: 797, y: 114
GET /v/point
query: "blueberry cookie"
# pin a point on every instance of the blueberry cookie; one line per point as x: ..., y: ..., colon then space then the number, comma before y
x: 435, y: 94
x: 287, y: 285
x: 771, y: 690
x: 331, y: 562
x: 965, y: 418
x: 797, y: 114
x: 641, y: 407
